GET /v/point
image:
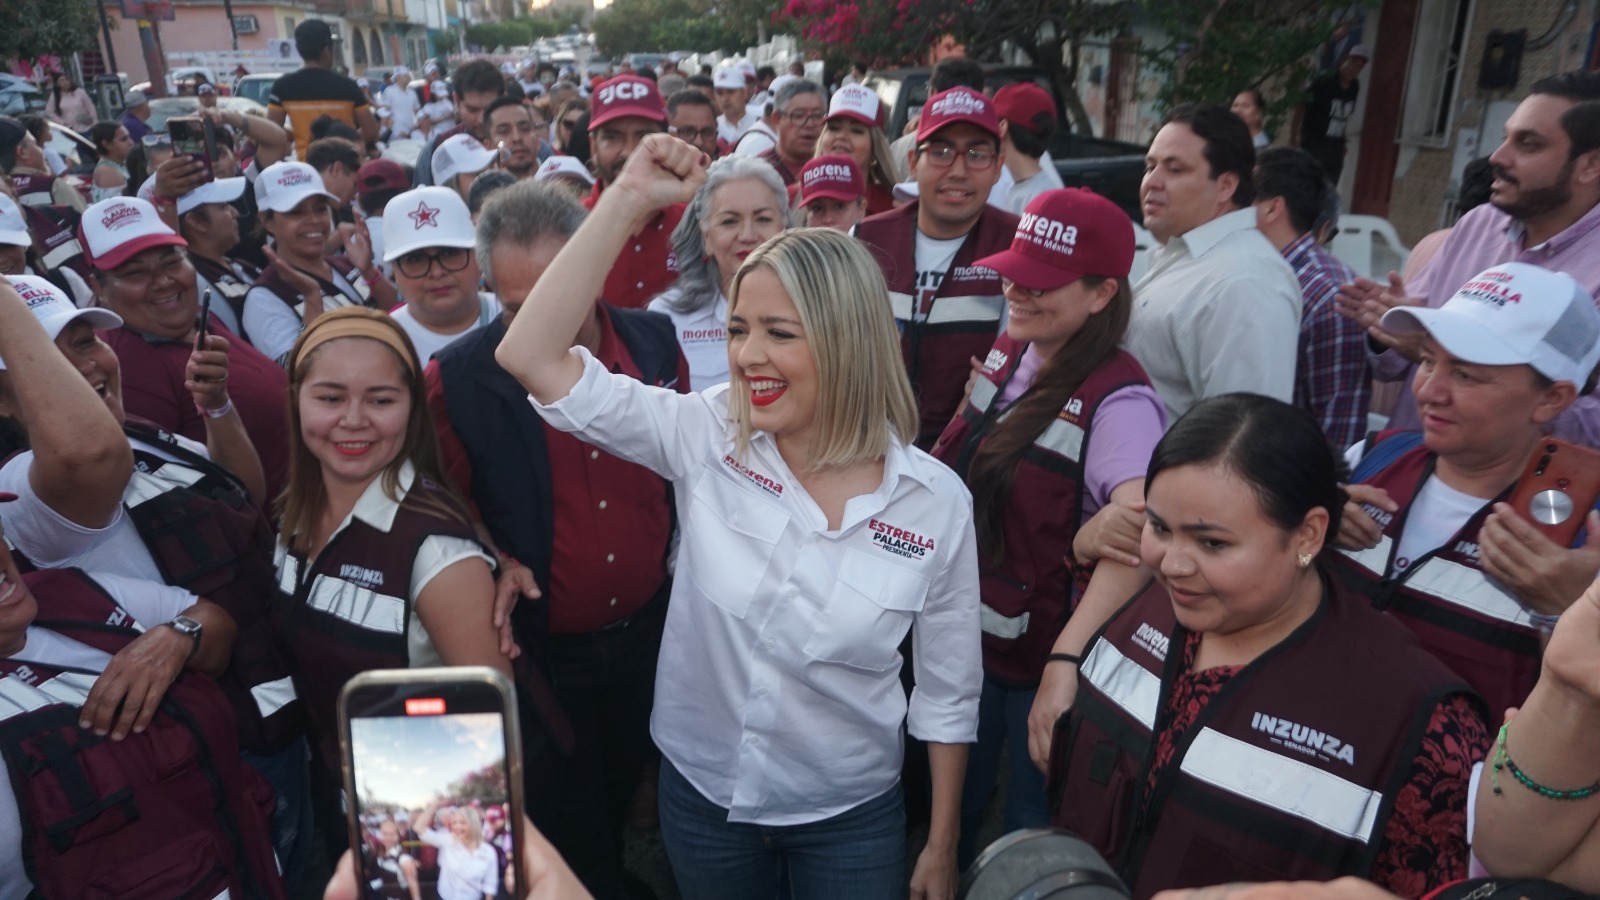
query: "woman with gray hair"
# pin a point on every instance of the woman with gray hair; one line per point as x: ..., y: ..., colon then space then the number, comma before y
x: 741, y: 204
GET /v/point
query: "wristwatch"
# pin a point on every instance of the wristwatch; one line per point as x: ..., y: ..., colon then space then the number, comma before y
x: 191, y: 629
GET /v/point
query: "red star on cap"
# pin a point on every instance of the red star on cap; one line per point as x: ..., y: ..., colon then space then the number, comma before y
x: 425, y: 215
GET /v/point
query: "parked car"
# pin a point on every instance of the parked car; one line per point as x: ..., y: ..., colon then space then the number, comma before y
x: 256, y: 87
x: 18, y: 95
x: 164, y: 108
x: 1113, y: 169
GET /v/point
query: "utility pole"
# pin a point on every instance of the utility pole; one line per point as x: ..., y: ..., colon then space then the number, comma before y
x: 155, y: 61
x: 105, y: 29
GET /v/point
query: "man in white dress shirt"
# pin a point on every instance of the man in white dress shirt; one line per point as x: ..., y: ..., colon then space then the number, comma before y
x: 1219, y: 310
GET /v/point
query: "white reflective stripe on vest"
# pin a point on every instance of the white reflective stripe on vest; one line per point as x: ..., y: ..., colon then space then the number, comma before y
x: 146, y: 486
x: 1007, y: 627
x: 58, y: 257
x: 223, y: 896
x: 1373, y: 559
x: 18, y: 697
x: 983, y: 393
x: 971, y: 308
x: 1465, y: 586
x: 358, y: 605
x: 1062, y: 438
x: 901, y: 305
x: 37, y: 198
x: 272, y: 696
x: 1287, y: 785
x: 1128, y: 684
x: 288, y: 569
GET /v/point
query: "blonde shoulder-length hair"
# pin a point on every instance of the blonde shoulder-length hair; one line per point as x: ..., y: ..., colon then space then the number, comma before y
x: 864, y: 399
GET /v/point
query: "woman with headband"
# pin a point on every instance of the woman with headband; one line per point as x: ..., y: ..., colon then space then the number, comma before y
x: 378, y: 565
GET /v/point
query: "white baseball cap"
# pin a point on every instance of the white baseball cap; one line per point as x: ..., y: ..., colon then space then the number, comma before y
x: 400, y: 70
x: 746, y: 68
x: 507, y: 68
x: 439, y: 89
x: 430, y: 68
x: 564, y: 167
x: 223, y: 190
x: 460, y: 155
x: 426, y: 217
x: 1513, y: 314
x: 13, y: 226
x: 283, y: 185
x: 117, y: 229
x: 853, y: 102
x: 53, y: 310
x: 728, y: 77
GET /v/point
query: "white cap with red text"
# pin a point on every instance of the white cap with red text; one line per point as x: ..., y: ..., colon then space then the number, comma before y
x: 13, y: 227
x: 54, y: 310
x: 283, y: 185
x: 460, y: 154
x: 117, y: 229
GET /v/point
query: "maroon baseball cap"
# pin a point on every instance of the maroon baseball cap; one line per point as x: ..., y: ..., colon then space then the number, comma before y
x: 835, y: 176
x: 626, y: 95
x: 1026, y: 104
x: 1064, y: 235
x: 957, y: 105
x: 379, y: 175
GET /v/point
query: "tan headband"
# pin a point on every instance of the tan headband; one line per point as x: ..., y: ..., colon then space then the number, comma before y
x: 355, y: 321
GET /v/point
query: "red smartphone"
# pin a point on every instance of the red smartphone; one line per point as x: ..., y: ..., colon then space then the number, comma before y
x: 1558, y: 488
x: 189, y: 138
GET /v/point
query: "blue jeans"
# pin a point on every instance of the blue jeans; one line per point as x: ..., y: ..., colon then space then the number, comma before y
x: 287, y: 772
x: 860, y: 853
x: 1002, y: 719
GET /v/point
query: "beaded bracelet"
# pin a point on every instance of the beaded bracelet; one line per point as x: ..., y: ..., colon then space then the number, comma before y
x: 1502, y: 760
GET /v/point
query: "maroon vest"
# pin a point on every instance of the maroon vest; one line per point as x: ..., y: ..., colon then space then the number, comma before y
x: 776, y: 160
x: 207, y: 537
x: 349, y: 611
x: 227, y: 282
x: 1290, y: 772
x: 170, y: 812
x: 1481, y: 632
x: 55, y: 239
x: 1027, y: 597
x: 34, y: 189
x: 332, y: 296
x: 964, y: 318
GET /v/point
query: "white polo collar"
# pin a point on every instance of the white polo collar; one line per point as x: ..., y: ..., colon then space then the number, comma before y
x: 1199, y: 240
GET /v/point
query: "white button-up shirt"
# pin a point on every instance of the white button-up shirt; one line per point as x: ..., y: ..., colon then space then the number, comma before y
x: 1219, y: 311
x: 778, y: 694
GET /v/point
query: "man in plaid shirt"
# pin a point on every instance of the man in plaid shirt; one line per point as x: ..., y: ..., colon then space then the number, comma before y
x: 1332, y: 380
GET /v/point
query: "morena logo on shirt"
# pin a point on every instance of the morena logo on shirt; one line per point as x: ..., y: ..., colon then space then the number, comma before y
x: 1303, y: 739
x: 899, y: 541
x: 25, y: 675
x: 423, y: 215
x: 1151, y: 638
x: 973, y: 273
x: 754, y: 477
x: 703, y: 335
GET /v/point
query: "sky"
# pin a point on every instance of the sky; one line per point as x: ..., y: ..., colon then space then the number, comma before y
x: 412, y: 759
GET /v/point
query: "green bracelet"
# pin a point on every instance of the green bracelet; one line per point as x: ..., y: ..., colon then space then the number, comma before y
x: 1502, y: 760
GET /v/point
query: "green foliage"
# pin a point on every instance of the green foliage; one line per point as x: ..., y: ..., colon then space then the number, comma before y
x: 486, y: 785
x: 661, y: 26
x: 1226, y: 46
x: 45, y: 27
x: 512, y: 32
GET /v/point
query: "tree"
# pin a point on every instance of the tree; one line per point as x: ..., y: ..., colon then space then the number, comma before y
x: 1221, y: 47
x: 661, y: 26
x: 512, y: 32
x: 48, y: 28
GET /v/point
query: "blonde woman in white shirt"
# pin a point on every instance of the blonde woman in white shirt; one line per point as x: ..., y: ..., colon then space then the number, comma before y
x: 468, y: 866
x: 814, y: 537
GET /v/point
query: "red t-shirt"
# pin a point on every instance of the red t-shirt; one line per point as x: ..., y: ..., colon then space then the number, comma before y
x: 647, y: 265
x: 152, y: 388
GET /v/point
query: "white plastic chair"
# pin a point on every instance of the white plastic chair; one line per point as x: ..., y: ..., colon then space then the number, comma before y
x: 1369, y: 245
x: 1144, y: 248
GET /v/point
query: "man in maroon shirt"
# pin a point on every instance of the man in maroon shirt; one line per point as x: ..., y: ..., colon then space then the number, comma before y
x: 590, y: 530
x: 625, y: 111
x: 800, y: 109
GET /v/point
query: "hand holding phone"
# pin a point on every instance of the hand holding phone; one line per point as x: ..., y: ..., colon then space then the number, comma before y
x: 1558, y: 487
x: 434, y: 753
x: 202, y: 322
x: 194, y: 137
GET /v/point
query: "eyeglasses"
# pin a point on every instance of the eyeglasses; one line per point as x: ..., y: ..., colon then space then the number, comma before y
x: 418, y: 263
x: 690, y: 134
x: 805, y: 118
x: 158, y: 140
x: 1007, y: 284
x: 942, y: 156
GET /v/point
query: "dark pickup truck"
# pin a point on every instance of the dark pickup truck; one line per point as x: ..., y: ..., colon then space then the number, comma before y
x: 1111, y: 168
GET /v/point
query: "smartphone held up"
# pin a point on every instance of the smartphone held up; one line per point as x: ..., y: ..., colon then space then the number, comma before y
x: 433, y: 782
